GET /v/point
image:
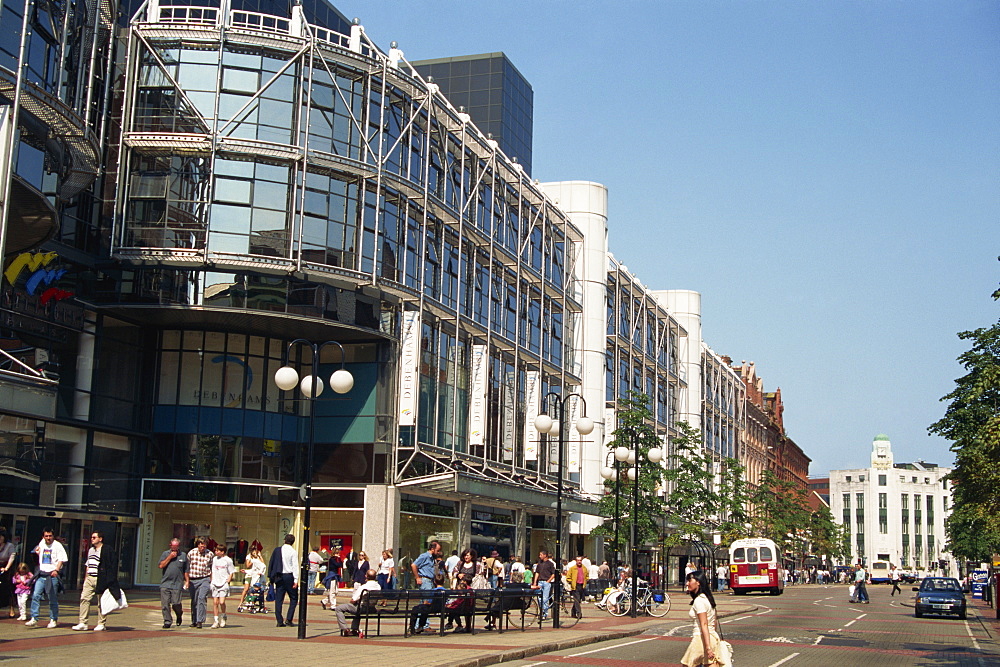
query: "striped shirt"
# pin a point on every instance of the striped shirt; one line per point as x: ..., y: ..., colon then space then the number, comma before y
x: 199, y: 565
x: 93, y: 561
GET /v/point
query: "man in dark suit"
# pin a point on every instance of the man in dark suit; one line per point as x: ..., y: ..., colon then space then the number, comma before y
x: 102, y: 575
x: 284, y: 574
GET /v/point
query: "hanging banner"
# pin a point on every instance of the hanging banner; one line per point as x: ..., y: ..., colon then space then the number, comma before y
x: 509, y: 401
x: 409, y: 360
x: 530, y: 412
x: 477, y: 398
x: 610, y: 424
x: 573, y: 445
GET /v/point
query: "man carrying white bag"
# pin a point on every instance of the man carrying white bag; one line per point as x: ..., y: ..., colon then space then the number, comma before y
x: 102, y: 581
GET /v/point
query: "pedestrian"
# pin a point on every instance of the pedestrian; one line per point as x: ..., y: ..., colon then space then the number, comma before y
x: 721, y: 576
x: 449, y: 566
x: 860, y: 585
x: 22, y: 589
x: 354, y: 606
x: 704, y: 648
x: 7, y: 567
x: 604, y: 572
x: 315, y: 560
x: 576, y: 581
x: 173, y: 566
x: 51, y: 558
x: 254, y: 574
x: 361, y: 572
x: 197, y: 580
x: 423, y: 566
x: 284, y: 574
x: 894, y: 580
x: 492, y: 571
x: 386, y: 572
x: 102, y: 575
x: 223, y: 570
x: 545, y: 574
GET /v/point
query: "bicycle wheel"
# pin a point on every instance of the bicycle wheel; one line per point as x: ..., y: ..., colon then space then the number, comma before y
x: 532, y: 613
x: 621, y: 606
x: 566, y: 617
x: 658, y: 609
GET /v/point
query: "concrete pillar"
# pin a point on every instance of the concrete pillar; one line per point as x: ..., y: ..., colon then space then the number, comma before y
x: 381, y: 525
x: 463, y: 534
x: 81, y: 411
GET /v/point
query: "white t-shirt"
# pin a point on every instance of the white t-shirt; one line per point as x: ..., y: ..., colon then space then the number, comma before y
x: 314, y: 560
x: 222, y: 568
x: 50, y: 557
x: 451, y: 562
x: 701, y: 605
x: 386, y: 565
x: 722, y: 572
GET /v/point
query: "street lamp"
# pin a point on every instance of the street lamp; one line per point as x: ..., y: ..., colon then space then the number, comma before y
x: 286, y: 378
x: 654, y: 455
x: 546, y: 424
x: 621, y: 454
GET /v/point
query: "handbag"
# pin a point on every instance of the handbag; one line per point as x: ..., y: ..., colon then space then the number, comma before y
x: 270, y: 593
x: 725, y: 653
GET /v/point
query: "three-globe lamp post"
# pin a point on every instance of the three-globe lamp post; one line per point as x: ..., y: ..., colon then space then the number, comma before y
x: 286, y: 378
x: 557, y: 426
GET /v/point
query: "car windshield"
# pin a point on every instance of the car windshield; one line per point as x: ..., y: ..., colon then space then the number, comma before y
x: 940, y: 585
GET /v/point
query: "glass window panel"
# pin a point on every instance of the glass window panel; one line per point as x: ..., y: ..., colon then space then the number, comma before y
x: 271, y: 172
x: 228, y: 243
x: 247, y: 60
x: 270, y: 195
x: 198, y: 77
x: 232, y: 219
x: 268, y: 220
x: 195, y: 56
x: 232, y: 191
x: 234, y: 168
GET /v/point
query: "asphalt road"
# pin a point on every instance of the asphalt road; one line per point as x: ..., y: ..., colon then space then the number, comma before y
x: 809, y: 626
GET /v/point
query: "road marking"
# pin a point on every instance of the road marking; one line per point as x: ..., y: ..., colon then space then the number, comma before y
x: 783, y: 660
x: 850, y: 623
x: 733, y: 620
x: 975, y: 644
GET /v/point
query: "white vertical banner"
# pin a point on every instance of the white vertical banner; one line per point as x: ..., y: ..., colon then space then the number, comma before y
x: 530, y: 412
x: 409, y: 365
x: 477, y: 396
x: 509, y: 399
x: 610, y: 424
x: 573, y: 445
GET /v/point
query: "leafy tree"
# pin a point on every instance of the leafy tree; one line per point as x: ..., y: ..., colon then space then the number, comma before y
x: 828, y: 538
x: 972, y: 424
x: 733, y: 500
x: 780, y: 509
x: 692, y: 505
x: 634, y: 419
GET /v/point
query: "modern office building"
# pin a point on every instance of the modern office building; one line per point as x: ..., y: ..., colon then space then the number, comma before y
x: 895, y: 512
x: 492, y: 91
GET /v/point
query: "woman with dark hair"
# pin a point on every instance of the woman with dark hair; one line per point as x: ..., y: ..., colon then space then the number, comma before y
x: 468, y: 566
x: 704, y: 646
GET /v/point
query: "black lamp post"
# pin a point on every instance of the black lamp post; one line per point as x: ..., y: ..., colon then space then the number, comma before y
x: 311, y: 386
x: 620, y: 455
x: 654, y: 455
x: 545, y: 424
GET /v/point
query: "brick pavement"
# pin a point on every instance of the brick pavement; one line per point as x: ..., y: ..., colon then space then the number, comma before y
x: 135, y: 635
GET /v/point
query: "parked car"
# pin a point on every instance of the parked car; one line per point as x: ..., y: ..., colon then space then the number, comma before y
x: 939, y: 595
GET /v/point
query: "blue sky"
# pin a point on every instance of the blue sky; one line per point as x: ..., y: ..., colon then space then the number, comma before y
x: 826, y: 174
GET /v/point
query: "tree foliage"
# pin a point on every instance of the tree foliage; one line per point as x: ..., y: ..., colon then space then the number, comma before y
x: 972, y: 424
x: 633, y: 428
x: 691, y: 503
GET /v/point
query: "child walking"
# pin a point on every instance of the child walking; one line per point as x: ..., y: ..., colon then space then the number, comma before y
x: 222, y: 573
x: 22, y: 589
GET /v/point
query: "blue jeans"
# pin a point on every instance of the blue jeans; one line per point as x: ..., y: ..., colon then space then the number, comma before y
x: 312, y: 582
x: 722, y: 584
x: 426, y: 583
x: 546, y: 588
x: 45, y: 584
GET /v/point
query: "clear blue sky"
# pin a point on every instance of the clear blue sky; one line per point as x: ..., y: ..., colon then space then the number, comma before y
x: 826, y: 174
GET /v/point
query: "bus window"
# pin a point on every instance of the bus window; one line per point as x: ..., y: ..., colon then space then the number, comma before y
x: 765, y: 554
x: 739, y: 555
x: 752, y: 555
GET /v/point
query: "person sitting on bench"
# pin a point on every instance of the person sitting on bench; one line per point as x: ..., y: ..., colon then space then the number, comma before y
x: 422, y: 611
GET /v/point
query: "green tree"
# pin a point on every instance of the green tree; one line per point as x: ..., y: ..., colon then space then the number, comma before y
x: 780, y: 509
x: 827, y: 537
x: 634, y: 426
x: 972, y: 424
x: 733, y: 501
x: 692, y: 506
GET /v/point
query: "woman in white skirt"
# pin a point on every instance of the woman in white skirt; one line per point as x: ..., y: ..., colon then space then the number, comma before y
x: 704, y: 646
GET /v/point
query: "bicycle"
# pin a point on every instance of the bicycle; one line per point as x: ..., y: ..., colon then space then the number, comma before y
x: 566, y: 617
x: 653, y: 602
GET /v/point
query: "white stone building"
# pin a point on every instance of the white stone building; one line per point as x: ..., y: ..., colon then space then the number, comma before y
x: 895, y: 511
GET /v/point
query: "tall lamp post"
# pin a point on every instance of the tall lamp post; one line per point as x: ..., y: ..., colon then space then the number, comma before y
x: 620, y: 454
x: 654, y: 455
x: 546, y: 424
x: 311, y: 386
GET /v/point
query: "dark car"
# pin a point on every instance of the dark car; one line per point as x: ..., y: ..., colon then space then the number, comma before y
x: 939, y: 595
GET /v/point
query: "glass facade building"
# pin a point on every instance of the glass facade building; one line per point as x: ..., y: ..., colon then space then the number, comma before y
x: 496, y: 95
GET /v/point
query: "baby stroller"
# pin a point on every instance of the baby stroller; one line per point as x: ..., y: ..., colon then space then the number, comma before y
x: 254, y: 603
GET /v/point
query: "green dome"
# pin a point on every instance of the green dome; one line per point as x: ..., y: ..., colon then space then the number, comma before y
x: 881, y: 436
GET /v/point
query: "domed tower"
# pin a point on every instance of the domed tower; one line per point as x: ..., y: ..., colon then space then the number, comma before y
x: 881, y: 452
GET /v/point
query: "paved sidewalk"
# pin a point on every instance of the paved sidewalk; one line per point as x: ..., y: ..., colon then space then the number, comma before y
x: 135, y: 635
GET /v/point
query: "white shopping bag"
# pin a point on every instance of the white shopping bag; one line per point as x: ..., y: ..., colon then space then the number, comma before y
x: 850, y: 590
x: 110, y: 604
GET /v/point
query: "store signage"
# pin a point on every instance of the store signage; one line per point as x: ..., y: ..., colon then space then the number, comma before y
x: 530, y: 412
x: 509, y: 399
x: 977, y: 582
x: 573, y: 446
x: 408, y: 368
x: 477, y: 407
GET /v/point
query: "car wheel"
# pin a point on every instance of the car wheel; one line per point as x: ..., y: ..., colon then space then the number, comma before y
x: 963, y: 614
x: 918, y: 613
